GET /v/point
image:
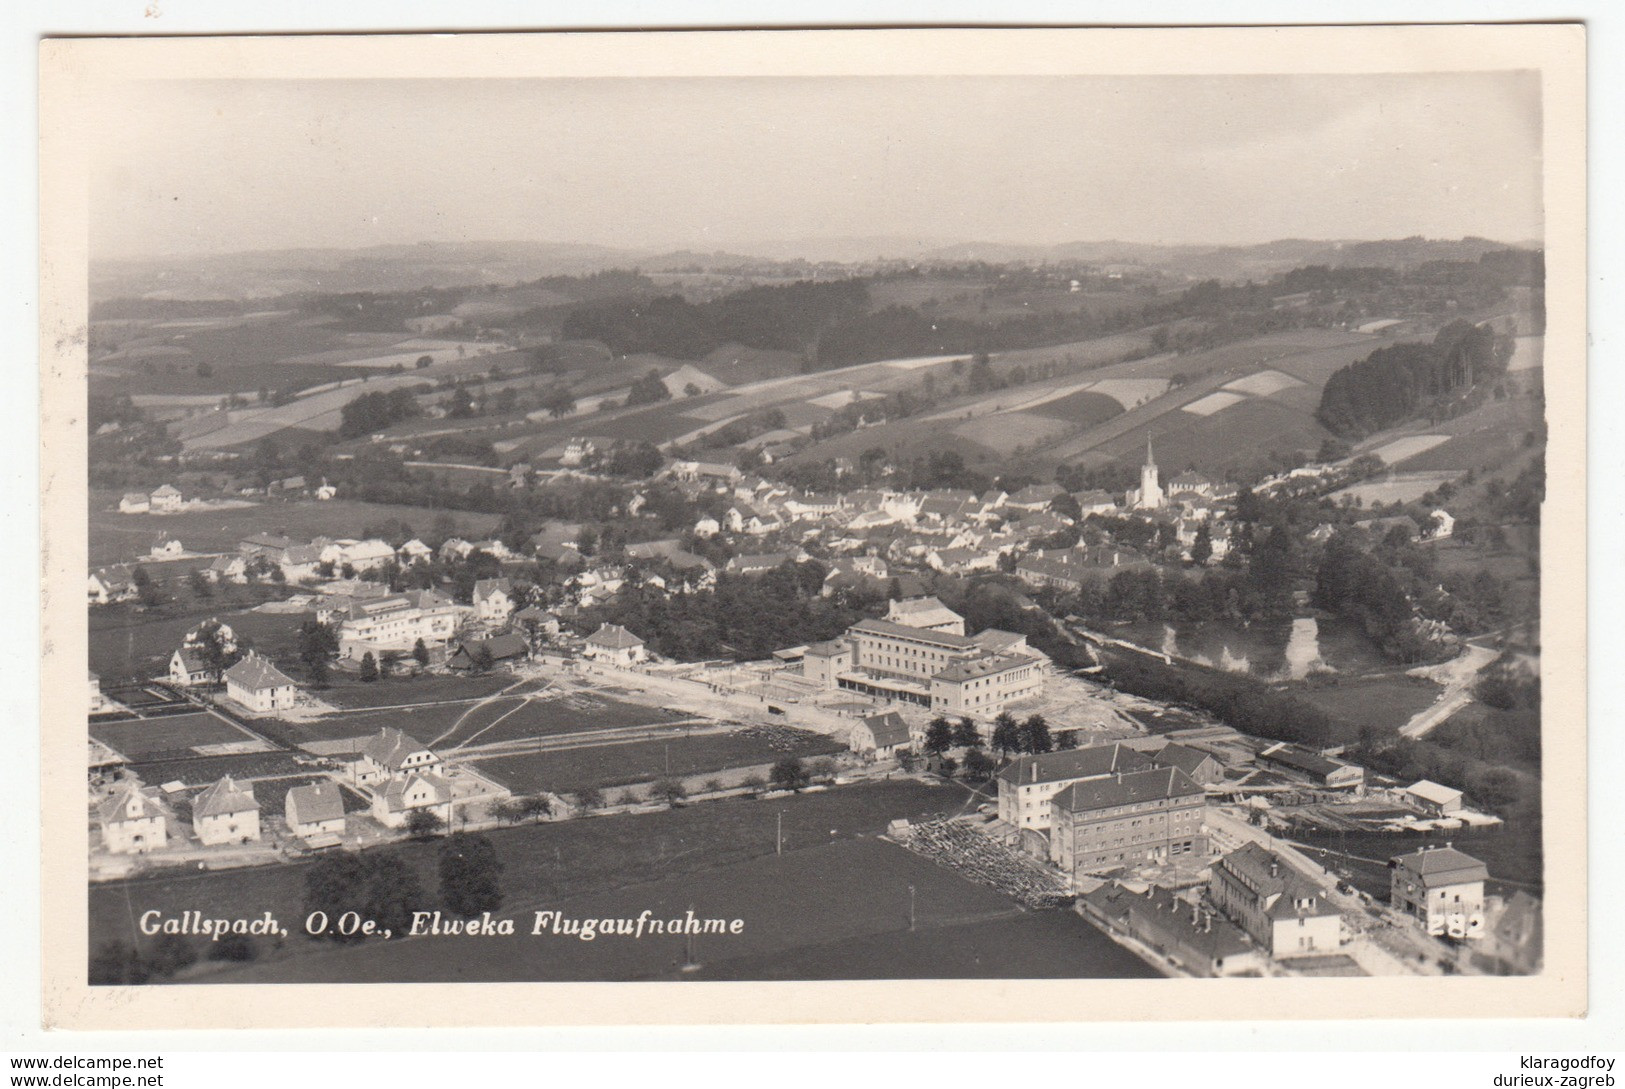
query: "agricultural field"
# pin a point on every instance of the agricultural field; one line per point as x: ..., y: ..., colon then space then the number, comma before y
x: 581, y: 857
x: 566, y: 770
x: 123, y: 538
x: 1405, y: 487
x: 170, y: 736
x: 159, y: 357
x: 849, y: 899
x: 1383, y: 703
x: 516, y: 719
x: 129, y: 645
x: 203, y: 770
x: 350, y: 694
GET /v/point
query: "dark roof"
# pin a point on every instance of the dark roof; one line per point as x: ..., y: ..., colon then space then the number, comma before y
x: 1084, y: 763
x: 1183, y: 757
x: 1311, y: 763
x: 502, y: 647
x: 1106, y: 792
x: 1195, y: 927
x: 1286, y: 893
x: 1443, y: 866
x: 984, y: 666
x: 888, y: 729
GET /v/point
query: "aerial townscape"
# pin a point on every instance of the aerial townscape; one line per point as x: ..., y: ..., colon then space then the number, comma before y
x: 939, y: 611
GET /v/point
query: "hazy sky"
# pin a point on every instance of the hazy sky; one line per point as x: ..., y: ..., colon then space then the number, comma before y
x: 220, y: 166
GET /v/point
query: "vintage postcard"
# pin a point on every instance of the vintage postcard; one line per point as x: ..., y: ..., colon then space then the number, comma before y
x: 860, y: 526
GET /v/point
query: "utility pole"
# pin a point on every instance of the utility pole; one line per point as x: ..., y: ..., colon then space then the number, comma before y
x: 779, y: 839
x: 911, y: 907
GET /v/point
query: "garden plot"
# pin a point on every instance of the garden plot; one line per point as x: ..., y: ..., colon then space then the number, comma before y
x: 1408, y: 447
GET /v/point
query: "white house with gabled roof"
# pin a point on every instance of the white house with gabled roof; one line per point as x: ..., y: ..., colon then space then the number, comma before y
x: 260, y: 686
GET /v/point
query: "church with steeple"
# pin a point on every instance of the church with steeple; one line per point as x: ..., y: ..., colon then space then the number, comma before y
x: 1148, y: 496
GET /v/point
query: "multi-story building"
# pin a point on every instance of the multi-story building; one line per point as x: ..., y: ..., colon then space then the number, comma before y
x: 951, y: 674
x: 927, y: 613
x: 1027, y: 783
x: 132, y: 823
x: 1147, y: 816
x: 260, y: 686
x: 398, y: 622
x: 1442, y: 888
x: 1285, y: 913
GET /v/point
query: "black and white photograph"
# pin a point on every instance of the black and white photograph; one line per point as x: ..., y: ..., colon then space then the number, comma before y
x: 709, y: 515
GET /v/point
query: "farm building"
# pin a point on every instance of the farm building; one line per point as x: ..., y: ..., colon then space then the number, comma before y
x: 1434, y: 799
x: 260, y: 686
x: 1324, y: 771
x: 134, y: 503
x: 110, y: 585
x: 879, y: 737
x: 500, y: 648
x: 165, y: 498
x: 132, y: 823
x: 1202, y: 767
x: 226, y: 813
x: 315, y: 809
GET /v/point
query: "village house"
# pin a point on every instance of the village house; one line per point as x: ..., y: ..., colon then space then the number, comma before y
x: 1151, y: 815
x: 707, y: 527
x: 507, y: 647
x: 1027, y: 783
x: 167, y: 548
x: 326, y: 491
x: 134, y: 503
x: 1434, y: 799
x: 226, y: 812
x: 360, y: 556
x: 542, y: 621
x: 256, y: 543
x: 756, y: 564
x: 1442, y: 888
x: 299, y: 563
x: 493, y: 600
x: 414, y: 551
x: 260, y: 686
x: 389, y: 754
x: 1095, y: 501
x: 98, y: 702
x: 1440, y: 525
x: 879, y: 737
x: 1285, y: 913
x: 111, y: 585
x: 187, y: 668
x: 1194, y: 936
x: 132, y: 823
x: 233, y: 569
x: 315, y: 810
x: 613, y: 643
x: 394, y: 803
x: 165, y: 498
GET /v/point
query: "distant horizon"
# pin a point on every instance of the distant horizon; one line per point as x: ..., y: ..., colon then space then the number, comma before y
x: 743, y: 249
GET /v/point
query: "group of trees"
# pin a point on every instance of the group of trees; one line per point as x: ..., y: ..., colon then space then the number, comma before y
x: 372, y: 412
x: 385, y: 887
x: 1403, y: 381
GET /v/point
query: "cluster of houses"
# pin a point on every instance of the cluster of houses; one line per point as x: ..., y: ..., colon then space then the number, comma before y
x: 395, y: 773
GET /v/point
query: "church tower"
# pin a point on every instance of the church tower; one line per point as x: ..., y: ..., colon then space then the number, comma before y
x: 1150, y: 496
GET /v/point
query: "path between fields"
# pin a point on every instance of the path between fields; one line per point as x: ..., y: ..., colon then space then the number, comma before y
x: 500, y: 694
x: 1457, y: 676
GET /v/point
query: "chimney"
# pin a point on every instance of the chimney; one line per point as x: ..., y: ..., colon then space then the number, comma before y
x: 1275, y: 868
